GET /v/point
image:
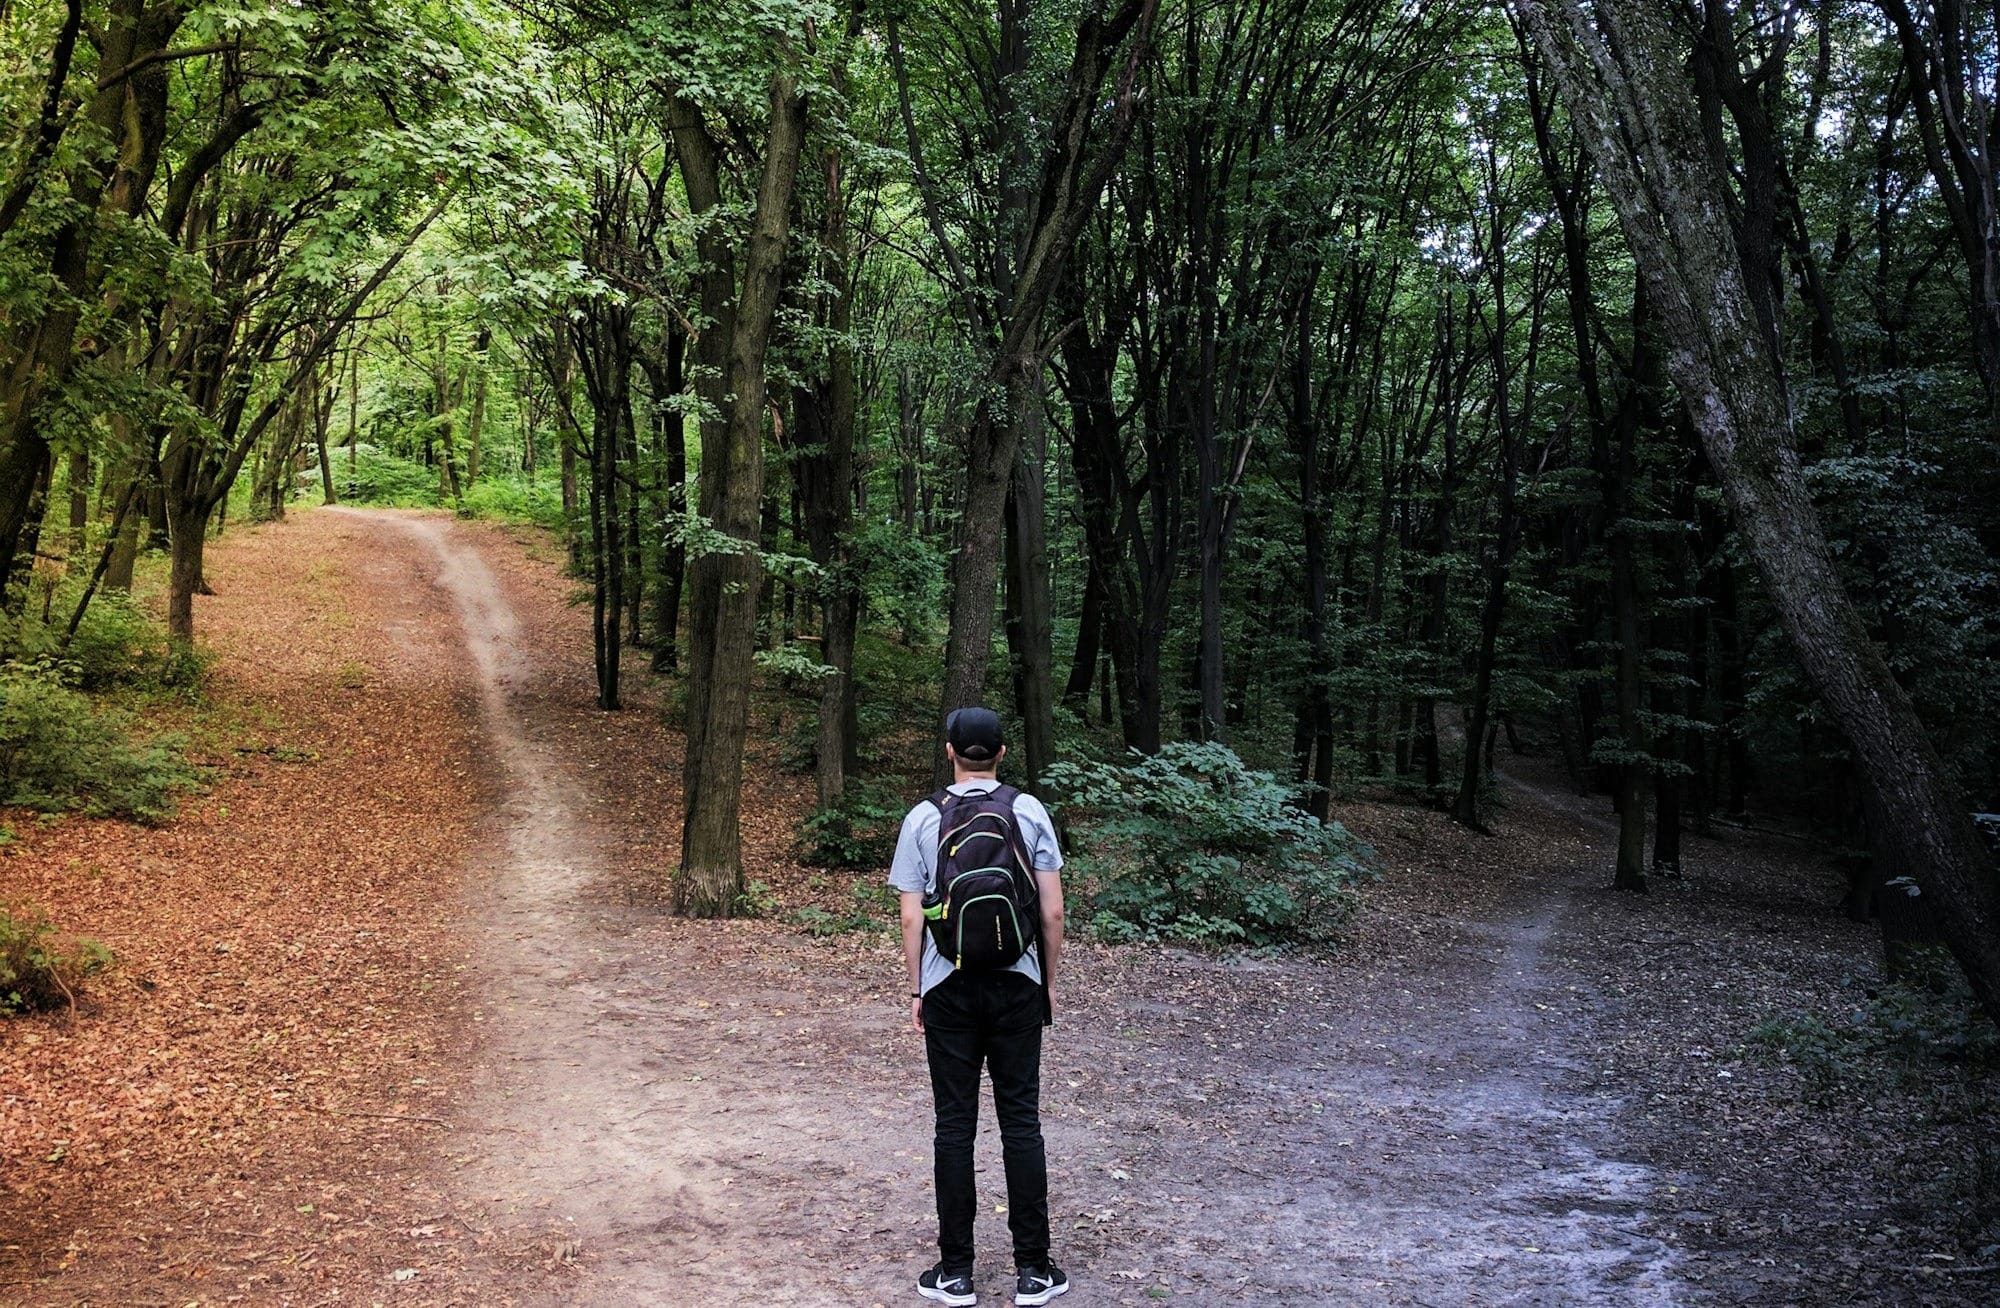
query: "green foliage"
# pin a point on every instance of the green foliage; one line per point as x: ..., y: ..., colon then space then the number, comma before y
x: 792, y: 665
x: 1804, y: 1040
x: 59, y: 751
x: 858, y: 832
x: 1903, y: 1026
x: 871, y: 906
x: 515, y: 501
x: 1190, y: 845
x: 374, y: 476
x: 116, y: 644
x: 757, y: 899
x: 40, y: 969
x: 901, y: 576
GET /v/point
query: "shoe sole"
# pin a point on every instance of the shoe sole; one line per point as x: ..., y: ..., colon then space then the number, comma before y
x: 955, y: 1300
x: 1031, y: 1300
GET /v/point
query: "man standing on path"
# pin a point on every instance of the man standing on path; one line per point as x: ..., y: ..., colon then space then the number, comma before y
x: 990, y: 890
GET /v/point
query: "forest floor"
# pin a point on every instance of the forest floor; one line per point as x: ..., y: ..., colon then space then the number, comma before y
x: 399, y: 1020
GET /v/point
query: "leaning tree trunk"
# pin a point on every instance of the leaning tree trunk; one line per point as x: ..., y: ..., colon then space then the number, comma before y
x: 1626, y: 89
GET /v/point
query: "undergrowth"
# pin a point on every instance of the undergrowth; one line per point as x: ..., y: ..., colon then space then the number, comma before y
x: 1902, y: 1028
x: 857, y: 832
x: 62, y: 751
x: 369, y: 474
x: 1191, y: 846
x: 870, y: 906
x: 40, y: 968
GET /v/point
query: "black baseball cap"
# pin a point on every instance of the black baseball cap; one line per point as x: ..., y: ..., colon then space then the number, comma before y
x: 974, y: 733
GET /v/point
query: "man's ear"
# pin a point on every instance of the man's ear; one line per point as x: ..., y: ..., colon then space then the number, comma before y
x: 997, y: 757
x: 951, y: 755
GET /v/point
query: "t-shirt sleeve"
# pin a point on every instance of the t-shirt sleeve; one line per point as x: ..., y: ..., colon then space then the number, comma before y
x: 1040, y: 832
x: 910, y: 870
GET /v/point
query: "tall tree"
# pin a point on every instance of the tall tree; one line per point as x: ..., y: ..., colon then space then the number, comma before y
x: 740, y: 283
x: 1622, y: 79
x: 1002, y: 256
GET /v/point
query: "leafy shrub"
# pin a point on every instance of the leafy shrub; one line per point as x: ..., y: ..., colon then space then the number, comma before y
x: 1905, y: 1025
x: 796, y: 668
x: 372, y: 475
x: 116, y: 644
x: 858, y: 832
x: 1819, y: 1052
x: 40, y: 969
x: 59, y: 751
x: 1190, y: 845
x: 1912, y: 1023
x: 871, y: 906
x: 756, y: 899
x: 902, y: 576
x: 514, y: 501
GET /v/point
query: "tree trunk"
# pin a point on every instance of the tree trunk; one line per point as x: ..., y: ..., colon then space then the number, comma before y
x: 15, y: 582
x: 1624, y: 85
x: 475, y: 427
x: 1312, y: 747
x: 187, y: 535
x: 634, y: 564
x: 125, y: 545
x: 321, y: 413
x: 1089, y: 644
x: 38, y: 353
x: 1029, y: 636
x: 1210, y: 516
x: 724, y: 618
x: 975, y: 569
x: 79, y: 505
x: 668, y: 384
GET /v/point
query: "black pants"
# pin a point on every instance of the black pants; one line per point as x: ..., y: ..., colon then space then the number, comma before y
x: 994, y: 1018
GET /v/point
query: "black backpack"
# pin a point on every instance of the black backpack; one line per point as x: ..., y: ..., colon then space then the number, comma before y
x: 985, y: 909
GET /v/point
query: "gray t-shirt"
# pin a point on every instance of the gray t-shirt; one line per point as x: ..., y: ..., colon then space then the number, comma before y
x: 915, y: 866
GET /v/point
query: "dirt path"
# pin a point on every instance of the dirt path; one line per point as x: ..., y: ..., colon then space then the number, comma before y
x: 736, y: 1109
x: 515, y: 1080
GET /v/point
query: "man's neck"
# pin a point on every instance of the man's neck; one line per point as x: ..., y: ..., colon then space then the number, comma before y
x: 964, y: 776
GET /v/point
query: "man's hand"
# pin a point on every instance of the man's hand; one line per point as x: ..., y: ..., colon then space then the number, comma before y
x: 917, y: 1015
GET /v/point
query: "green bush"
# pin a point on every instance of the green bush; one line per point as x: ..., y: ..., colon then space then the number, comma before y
x: 1905, y: 1026
x: 871, y: 906
x: 1819, y: 1052
x: 513, y: 501
x: 60, y: 751
x: 756, y: 899
x: 116, y: 644
x: 858, y: 832
x: 40, y: 969
x: 374, y: 476
x: 1190, y: 845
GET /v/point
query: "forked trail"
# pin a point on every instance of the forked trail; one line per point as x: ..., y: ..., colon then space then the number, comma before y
x: 723, y: 1115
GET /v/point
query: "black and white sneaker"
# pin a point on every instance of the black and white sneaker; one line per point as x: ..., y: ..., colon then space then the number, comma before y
x: 950, y: 1287
x: 1037, y: 1285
